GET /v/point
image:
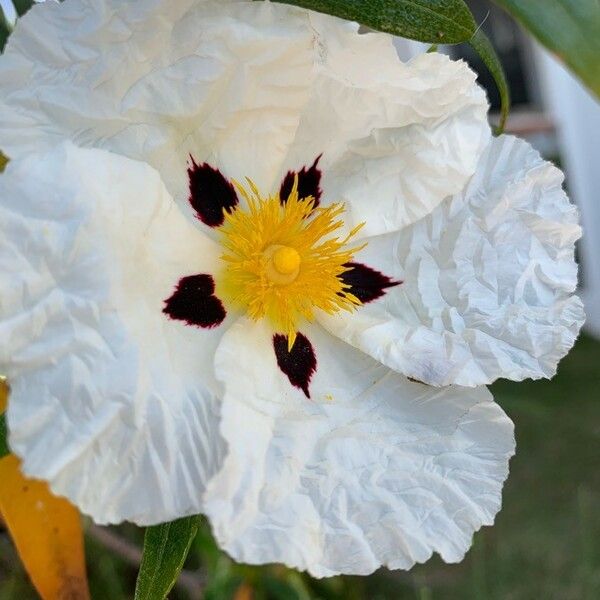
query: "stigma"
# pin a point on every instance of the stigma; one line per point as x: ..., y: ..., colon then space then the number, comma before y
x: 283, y: 264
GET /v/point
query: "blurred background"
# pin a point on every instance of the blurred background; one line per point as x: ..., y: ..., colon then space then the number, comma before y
x: 546, y: 542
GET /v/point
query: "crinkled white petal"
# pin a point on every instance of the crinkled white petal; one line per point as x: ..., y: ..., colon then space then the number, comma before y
x: 372, y: 470
x: 253, y: 88
x: 488, y: 279
x: 112, y: 403
x: 396, y: 138
x: 158, y: 81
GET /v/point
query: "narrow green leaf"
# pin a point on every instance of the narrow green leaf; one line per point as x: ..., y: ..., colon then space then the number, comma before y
x: 482, y: 45
x: 4, y: 30
x: 3, y: 161
x: 432, y: 21
x: 4, y: 449
x: 165, y: 550
x: 569, y: 28
x: 22, y: 6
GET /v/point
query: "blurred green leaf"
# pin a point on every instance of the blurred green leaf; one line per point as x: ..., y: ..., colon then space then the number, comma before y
x: 3, y: 161
x: 4, y: 449
x: 432, y: 21
x: 569, y: 28
x: 222, y: 589
x: 22, y: 6
x: 5, y: 30
x: 484, y: 48
x: 166, y: 547
x: 278, y: 589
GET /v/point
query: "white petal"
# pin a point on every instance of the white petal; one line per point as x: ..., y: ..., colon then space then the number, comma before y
x: 488, y: 280
x: 158, y: 81
x: 396, y: 138
x: 372, y: 470
x: 253, y: 88
x: 111, y: 401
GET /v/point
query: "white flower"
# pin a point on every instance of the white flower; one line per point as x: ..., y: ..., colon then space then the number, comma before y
x: 166, y: 323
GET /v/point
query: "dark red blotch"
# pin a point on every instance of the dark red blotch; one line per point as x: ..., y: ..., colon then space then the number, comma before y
x: 309, y: 183
x: 300, y: 364
x: 210, y: 193
x: 195, y: 303
x: 365, y: 283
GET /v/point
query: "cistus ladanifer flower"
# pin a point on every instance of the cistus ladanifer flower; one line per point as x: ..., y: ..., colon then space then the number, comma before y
x: 254, y: 266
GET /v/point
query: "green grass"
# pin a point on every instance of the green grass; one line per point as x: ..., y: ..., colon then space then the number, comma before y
x: 546, y: 542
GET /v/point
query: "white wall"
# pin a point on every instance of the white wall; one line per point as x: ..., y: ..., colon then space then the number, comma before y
x: 8, y: 9
x: 577, y: 116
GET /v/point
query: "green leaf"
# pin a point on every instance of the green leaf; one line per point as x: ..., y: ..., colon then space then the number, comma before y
x: 569, y: 28
x: 482, y: 45
x: 165, y: 549
x: 4, y: 449
x: 22, y: 6
x: 5, y: 30
x: 432, y: 21
x: 3, y: 161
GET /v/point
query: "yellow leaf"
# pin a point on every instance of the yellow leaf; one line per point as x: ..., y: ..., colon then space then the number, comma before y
x: 46, y: 531
x: 3, y: 161
x: 244, y: 592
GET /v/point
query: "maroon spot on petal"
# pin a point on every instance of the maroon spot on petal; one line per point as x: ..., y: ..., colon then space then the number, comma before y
x: 300, y: 364
x: 210, y: 194
x: 195, y: 303
x: 309, y: 183
x: 365, y: 283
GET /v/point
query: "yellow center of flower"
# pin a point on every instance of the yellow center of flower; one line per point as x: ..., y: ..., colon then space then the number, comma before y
x: 283, y: 261
x: 286, y: 260
x: 283, y: 264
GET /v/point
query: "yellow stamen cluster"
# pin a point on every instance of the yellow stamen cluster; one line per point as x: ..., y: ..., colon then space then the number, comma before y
x: 282, y: 261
